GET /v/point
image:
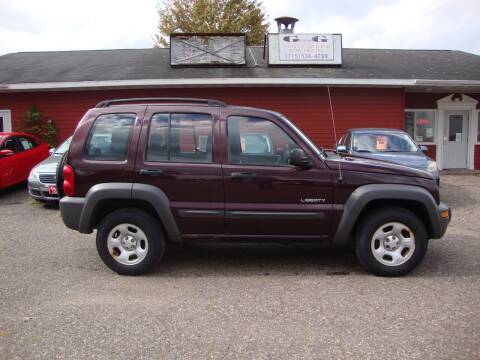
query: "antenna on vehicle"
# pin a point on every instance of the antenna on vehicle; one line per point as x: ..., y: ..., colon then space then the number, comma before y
x: 340, y: 178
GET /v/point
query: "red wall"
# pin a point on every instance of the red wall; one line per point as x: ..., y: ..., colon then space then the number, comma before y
x: 476, y: 157
x: 428, y: 100
x: 432, y: 151
x: 307, y: 107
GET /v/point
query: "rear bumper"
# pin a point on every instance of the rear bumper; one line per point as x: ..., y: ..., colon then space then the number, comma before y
x: 71, y: 211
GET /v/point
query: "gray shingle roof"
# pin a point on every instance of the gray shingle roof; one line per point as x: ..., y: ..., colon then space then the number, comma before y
x: 98, y: 65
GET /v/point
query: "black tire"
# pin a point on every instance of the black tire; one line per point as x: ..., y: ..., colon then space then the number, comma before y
x: 146, y: 223
x: 59, y: 175
x: 371, y: 223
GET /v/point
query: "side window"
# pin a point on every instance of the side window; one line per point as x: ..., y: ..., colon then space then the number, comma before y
x: 110, y: 136
x: 27, y: 143
x: 180, y: 137
x: 256, y: 141
x: 11, y: 144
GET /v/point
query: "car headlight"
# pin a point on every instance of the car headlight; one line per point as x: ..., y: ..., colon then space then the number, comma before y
x: 33, y: 176
x: 432, y: 166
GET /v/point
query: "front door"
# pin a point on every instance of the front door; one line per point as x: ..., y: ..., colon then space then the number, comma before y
x: 455, y: 140
x: 5, y: 121
x: 264, y: 194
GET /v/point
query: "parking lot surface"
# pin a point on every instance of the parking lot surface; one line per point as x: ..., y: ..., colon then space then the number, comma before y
x: 225, y: 301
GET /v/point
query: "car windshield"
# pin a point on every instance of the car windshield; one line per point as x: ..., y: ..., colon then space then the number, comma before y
x: 383, y: 142
x: 64, y: 147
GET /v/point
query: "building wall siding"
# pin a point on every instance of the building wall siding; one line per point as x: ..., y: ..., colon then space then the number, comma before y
x: 428, y: 100
x: 307, y: 107
x: 476, y: 157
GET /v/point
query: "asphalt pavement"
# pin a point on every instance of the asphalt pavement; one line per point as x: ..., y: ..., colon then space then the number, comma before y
x: 227, y: 301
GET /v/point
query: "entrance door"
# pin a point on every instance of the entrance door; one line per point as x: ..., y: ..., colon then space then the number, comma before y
x: 455, y: 140
x: 5, y: 121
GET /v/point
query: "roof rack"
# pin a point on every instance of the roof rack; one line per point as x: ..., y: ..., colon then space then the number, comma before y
x: 210, y: 102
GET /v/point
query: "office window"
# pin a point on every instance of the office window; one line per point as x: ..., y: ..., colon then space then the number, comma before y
x: 420, y: 125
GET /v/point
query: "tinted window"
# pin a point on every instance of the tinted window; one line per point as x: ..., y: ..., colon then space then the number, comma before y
x: 188, y: 138
x: 12, y: 144
x: 27, y: 143
x: 157, y: 148
x: 257, y: 142
x: 110, y: 136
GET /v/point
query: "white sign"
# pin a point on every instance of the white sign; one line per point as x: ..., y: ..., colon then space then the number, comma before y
x: 305, y: 49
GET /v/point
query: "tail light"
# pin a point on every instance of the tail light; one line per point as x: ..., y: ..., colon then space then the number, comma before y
x: 68, y: 180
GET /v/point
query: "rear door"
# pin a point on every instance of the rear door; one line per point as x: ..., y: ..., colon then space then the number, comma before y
x: 177, y: 154
x: 264, y: 195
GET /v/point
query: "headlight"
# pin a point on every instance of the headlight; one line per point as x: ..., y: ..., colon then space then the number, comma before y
x: 432, y: 166
x: 33, y: 176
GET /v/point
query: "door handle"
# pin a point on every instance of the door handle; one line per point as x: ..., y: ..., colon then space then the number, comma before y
x: 151, y: 172
x: 243, y: 176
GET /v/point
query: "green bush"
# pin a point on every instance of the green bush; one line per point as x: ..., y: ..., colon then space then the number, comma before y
x: 35, y: 123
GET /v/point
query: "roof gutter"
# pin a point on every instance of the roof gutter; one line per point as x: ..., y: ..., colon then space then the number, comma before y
x: 222, y: 82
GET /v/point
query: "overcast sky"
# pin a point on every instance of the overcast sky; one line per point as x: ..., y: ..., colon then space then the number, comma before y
x: 34, y: 25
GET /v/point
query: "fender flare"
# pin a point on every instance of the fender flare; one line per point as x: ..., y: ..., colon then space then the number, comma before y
x: 129, y: 191
x: 363, y: 195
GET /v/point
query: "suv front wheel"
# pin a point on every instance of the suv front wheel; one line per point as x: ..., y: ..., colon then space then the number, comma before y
x: 130, y: 241
x: 391, y: 242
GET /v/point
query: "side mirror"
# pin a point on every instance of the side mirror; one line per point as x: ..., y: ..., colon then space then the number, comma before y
x: 424, y: 149
x: 299, y: 159
x: 342, y: 149
x: 5, y: 153
x: 51, y: 151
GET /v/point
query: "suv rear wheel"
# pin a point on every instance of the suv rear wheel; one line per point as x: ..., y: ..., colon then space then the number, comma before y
x: 130, y: 241
x: 391, y: 242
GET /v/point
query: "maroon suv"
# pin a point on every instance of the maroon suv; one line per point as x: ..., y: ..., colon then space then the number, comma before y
x: 145, y: 172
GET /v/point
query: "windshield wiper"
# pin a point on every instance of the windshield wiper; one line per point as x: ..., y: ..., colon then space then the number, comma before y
x: 365, y: 151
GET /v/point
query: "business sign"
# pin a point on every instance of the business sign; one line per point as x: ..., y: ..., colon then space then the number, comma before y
x: 207, y: 49
x: 304, y: 49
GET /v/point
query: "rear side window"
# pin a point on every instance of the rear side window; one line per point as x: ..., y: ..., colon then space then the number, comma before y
x: 110, y: 136
x: 180, y: 138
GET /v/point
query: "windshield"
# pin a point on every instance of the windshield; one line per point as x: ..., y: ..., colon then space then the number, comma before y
x: 383, y: 142
x: 64, y: 147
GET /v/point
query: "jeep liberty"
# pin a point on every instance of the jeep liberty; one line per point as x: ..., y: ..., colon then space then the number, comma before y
x: 153, y: 171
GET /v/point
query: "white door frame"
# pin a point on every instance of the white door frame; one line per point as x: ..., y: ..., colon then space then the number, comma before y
x: 445, y: 105
x: 7, y: 126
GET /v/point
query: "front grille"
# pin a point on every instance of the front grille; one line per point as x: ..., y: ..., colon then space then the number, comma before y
x: 35, y: 192
x: 47, y: 178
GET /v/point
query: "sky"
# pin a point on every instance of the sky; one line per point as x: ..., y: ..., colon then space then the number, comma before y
x: 34, y: 25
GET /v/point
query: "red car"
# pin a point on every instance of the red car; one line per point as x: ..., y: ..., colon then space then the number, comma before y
x: 19, y: 153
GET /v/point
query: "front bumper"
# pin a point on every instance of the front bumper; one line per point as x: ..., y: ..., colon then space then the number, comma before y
x: 39, y: 191
x: 445, y: 215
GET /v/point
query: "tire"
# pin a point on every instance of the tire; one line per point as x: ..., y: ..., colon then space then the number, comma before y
x: 383, y: 242
x: 59, y: 175
x: 124, y: 255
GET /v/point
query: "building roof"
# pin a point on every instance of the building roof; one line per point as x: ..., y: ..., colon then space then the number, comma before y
x: 151, y: 67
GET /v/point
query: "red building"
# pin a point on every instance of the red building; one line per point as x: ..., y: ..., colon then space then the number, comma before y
x: 433, y: 95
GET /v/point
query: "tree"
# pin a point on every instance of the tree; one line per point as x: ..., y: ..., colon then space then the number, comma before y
x: 211, y: 16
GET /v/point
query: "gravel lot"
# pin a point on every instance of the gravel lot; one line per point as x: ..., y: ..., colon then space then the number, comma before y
x: 58, y: 300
